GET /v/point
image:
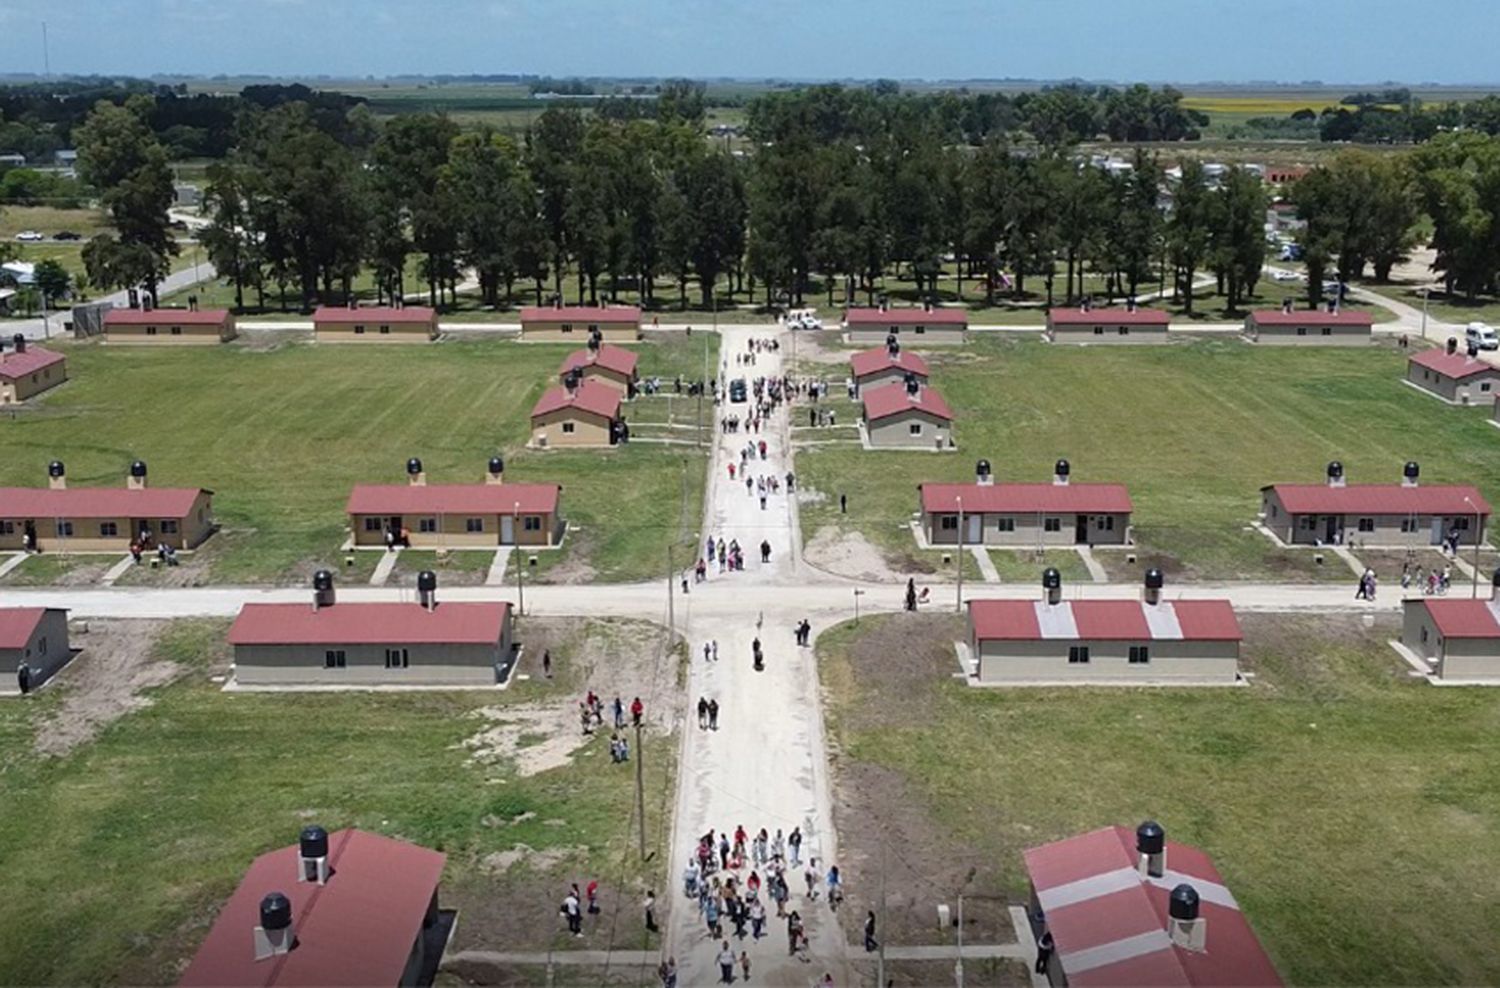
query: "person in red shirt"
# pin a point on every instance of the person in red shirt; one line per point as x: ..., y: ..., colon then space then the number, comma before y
x: 636, y: 710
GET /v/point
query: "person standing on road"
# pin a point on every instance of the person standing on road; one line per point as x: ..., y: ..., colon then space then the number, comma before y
x: 702, y: 713
x: 619, y: 710
x: 870, y: 944
x: 794, y: 846
x: 650, y: 906
x: 713, y: 715
x: 668, y: 973
x: 572, y: 912
x: 726, y: 965
x: 637, y: 708
x: 547, y: 663
x: 911, y: 594
x: 715, y: 644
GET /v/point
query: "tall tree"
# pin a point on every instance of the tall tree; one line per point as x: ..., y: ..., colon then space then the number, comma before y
x: 1189, y: 230
x: 119, y: 155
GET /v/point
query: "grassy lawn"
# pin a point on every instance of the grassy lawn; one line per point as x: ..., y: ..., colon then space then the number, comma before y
x: 282, y: 435
x: 51, y: 221
x: 1343, y: 801
x: 1269, y: 294
x: 1193, y: 429
x: 1440, y: 307
x: 123, y: 849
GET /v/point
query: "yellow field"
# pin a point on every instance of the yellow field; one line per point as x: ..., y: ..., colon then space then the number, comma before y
x: 1260, y: 106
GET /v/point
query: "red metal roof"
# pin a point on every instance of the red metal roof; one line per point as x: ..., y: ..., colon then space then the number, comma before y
x: 591, y: 396
x: 1464, y: 618
x: 14, y: 365
x: 18, y: 624
x: 1457, y: 365
x: 374, y: 314
x: 1027, y: 498
x: 1311, y: 317
x: 892, y: 399
x: 453, y: 499
x: 1103, y: 620
x: 1109, y: 923
x: 98, y: 502
x: 906, y: 317
x: 610, y: 357
x: 1107, y: 317
x: 369, y: 624
x: 582, y: 313
x: 1380, y: 499
x: 868, y: 362
x: 165, y: 317
x: 356, y: 930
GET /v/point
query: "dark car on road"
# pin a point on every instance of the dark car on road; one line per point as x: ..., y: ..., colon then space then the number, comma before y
x: 66, y: 235
x: 737, y: 390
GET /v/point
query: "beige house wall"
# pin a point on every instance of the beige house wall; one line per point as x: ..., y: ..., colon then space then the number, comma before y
x: 1107, y: 333
x: 895, y: 431
x: 910, y: 334
x: 428, y: 664
x: 588, y: 429
x: 13, y: 390
x: 1313, y: 334
x: 89, y: 533
x: 886, y: 375
x: 1028, y: 529
x: 592, y: 372
x: 375, y: 332
x: 45, y: 652
x: 164, y: 335
x: 1480, y: 387
x: 452, y: 530
x: 1171, y: 662
x: 609, y: 332
x: 1421, y: 530
x: 1476, y: 659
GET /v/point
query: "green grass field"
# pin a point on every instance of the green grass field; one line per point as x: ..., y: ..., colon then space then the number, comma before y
x: 1351, y: 809
x: 122, y: 851
x: 282, y: 435
x: 1193, y: 429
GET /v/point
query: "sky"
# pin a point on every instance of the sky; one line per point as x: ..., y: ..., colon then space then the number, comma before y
x: 1186, y: 41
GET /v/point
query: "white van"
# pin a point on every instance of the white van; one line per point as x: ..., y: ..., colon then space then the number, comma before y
x: 1481, y: 336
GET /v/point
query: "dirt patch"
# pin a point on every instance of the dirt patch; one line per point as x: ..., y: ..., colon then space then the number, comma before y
x: 193, y: 569
x: 104, y: 683
x: 264, y: 340
x: 543, y: 860
x: 573, y: 567
x: 847, y: 554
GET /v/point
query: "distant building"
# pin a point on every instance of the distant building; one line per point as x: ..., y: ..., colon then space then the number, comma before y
x: 1404, y: 514
x: 375, y: 324
x: 604, y: 324
x: 435, y: 516
x: 1142, y: 911
x: 1285, y: 174
x: 1059, y: 513
x: 588, y: 415
x: 1459, y: 638
x: 58, y: 518
x: 911, y: 326
x: 345, y: 909
x: 1346, y: 327
x: 610, y: 365
x: 1088, y: 324
x: 184, y: 194
x: 909, y: 415
x: 12, y: 159
x: 29, y: 370
x: 168, y: 326
x: 888, y: 365
x: 1103, y: 642
x: 1459, y: 377
x: 33, y: 639
x: 66, y: 158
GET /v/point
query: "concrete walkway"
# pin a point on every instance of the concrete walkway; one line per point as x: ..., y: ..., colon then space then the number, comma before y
x: 384, y: 567
x: 496, y: 575
x: 12, y: 561
x: 1350, y: 559
x: 1096, y: 570
x: 118, y: 570
x: 590, y: 958
x: 986, y: 565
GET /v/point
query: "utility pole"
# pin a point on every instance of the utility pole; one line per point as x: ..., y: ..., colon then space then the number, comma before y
x: 515, y: 528
x: 671, y: 605
x: 46, y: 57
x: 640, y: 791
x: 958, y: 604
x: 880, y: 943
x: 958, y: 965
x: 858, y: 593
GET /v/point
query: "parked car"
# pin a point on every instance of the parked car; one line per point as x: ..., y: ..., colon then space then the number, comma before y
x: 1481, y: 336
x: 1283, y: 275
x: 803, y: 319
x: 30, y: 236
x: 1290, y: 252
x: 737, y: 391
x: 66, y: 235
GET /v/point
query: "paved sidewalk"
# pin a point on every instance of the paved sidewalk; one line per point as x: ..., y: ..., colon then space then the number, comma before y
x: 496, y: 575
x: 384, y: 567
x: 986, y: 565
x: 1096, y: 570
x: 118, y: 570
x: 15, y: 559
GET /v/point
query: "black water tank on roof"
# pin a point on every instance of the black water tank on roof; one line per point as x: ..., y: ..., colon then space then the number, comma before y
x: 275, y: 912
x: 138, y: 468
x: 1051, y: 579
x: 1183, y: 903
x: 1495, y: 579
x: 497, y: 465
x: 1062, y: 468
x: 1335, y: 469
x: 1150, y: 838
x: 1154, y: 579
x: 1412, y: 470
x: 912, y: 384
x: 323, y: 580
x: 313, y: 842
x: 413, y: 466
x: 56, y: 468
x: 982, y: 468
x: 427, y: 581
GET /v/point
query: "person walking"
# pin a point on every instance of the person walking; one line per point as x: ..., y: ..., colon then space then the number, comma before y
x: 794, y: 846
x: 1044, y: 948
x: 713, y: 715
x: 715, y: 644
x: 571, y: 910
x: 835, y: 887
x: 793, y: 933
x: 726, y: 965
x: 667, y: 972
x: 637, y: 708
x: 757, y: 919
x: 706, y: 650
x: 870, y: 943
x: 702, y: 713
x: 711, y: 915
x: 813, y: 877
x: 619, y: 712
x: 547, y: 663
x: 745, y: 965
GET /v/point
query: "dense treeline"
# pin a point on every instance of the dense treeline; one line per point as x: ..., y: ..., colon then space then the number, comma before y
x: 1390, y: 117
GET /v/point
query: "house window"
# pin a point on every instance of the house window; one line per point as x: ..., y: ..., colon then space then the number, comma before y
x: 1272, y: 512
x: 108, y: 529
x: 893, y: 329
x: 1123, y: 330
x: 1005, y: 524
x: 1366, y: 524
x: 593, y: 327
x: 1139, y: 655
x: 168, y: 526
x: 1105, y: 523
x: 532, y: 523
x: 1098, y: 330
x: 1308, y: 522
x: 428, y: 525
x: 334, y: 659
x: 914, y: 429
x: 919, y: 330
x: 567, y: 327
x: 176, y: 331
x: 1409, y: 525
x: 385, y: 329
x: 396, y: 658
x: 64, y: 528
x: 948, y: 523
x: 568, y: 428
x: 41, y: 645
x: 373, y: 524
x: 1461, y: 523
x: 359, y: 330
x: 1484, y: 387
x: 7, y: 528
x: 1301, y: 330
x: 1327, y: 330
x: 474, y: 524
x: 150, y: 330
x: 1052, y: 524
x: 1078, y: 654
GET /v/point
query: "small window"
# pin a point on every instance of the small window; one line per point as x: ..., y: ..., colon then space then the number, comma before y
x: 474, y: 524
x: 914, y: 429
x: 593, y: 327
x: 373, y: 525
x: 41, y: 645
x: 1124, y: 330
x: 1461, y: 523
x: 1139, y: 655
x: 1052, y: 524
x: 334, y: 659
x: 1273, y: 511
x: 948, y: 523
x: 1301, y: 330
x: 7, y: 528
x: 894, y: 329
x: 396, y: 658
x: 1410, y: 525
x: 176, y: 330
x: 1484, y: 387
x: 359, y: 329
x: 568, y: 428
x: 532, y: 523
x: 150, y: 330
x: 1105, y: 523
x: 108, y: 529
x: 1366, y: 524
x: 1309, y: 522
x: 1005, y: 524
x: 427, y: 525
x: 1078, y: 654
x: 567, y: 327
x: 385, y: 329
x: 919, y: 330
x: 64, y: 528
x: 168, y: 526
x: 1327, y: 330
x: 1098, y: 330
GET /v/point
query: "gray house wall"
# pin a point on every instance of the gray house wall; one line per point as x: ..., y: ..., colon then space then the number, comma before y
x: 45, y: 652
x: 1026, y: 529
x: 1393, y: 530
x: 1171, y: 662
x: 429, y: 665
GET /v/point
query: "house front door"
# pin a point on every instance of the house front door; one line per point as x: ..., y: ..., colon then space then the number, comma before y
x: 975, y: 533
x: 507, y: 529
x: 1331, y: 529
x: 1081, y: 530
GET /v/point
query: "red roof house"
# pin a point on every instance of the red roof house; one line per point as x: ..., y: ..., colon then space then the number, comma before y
x: 869, y: 363
x: 18, y: 624
x: 452, y: 623
x: 163, y: 317
x: 453, y: 499
x: 590, y: 396
x: 1453, y: 375
x: 582, y: 314
x: 1118, y: 917
x: 608, y: 356
x: 1381, y: 499
x: 906, y: 317
x: 1008, y: 499
x: 893, y: 399
x: 374, y: 314
x: 20, y: 363
x: 1107, y: 316
x: 1103, y: 620
x: 364, y: 927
